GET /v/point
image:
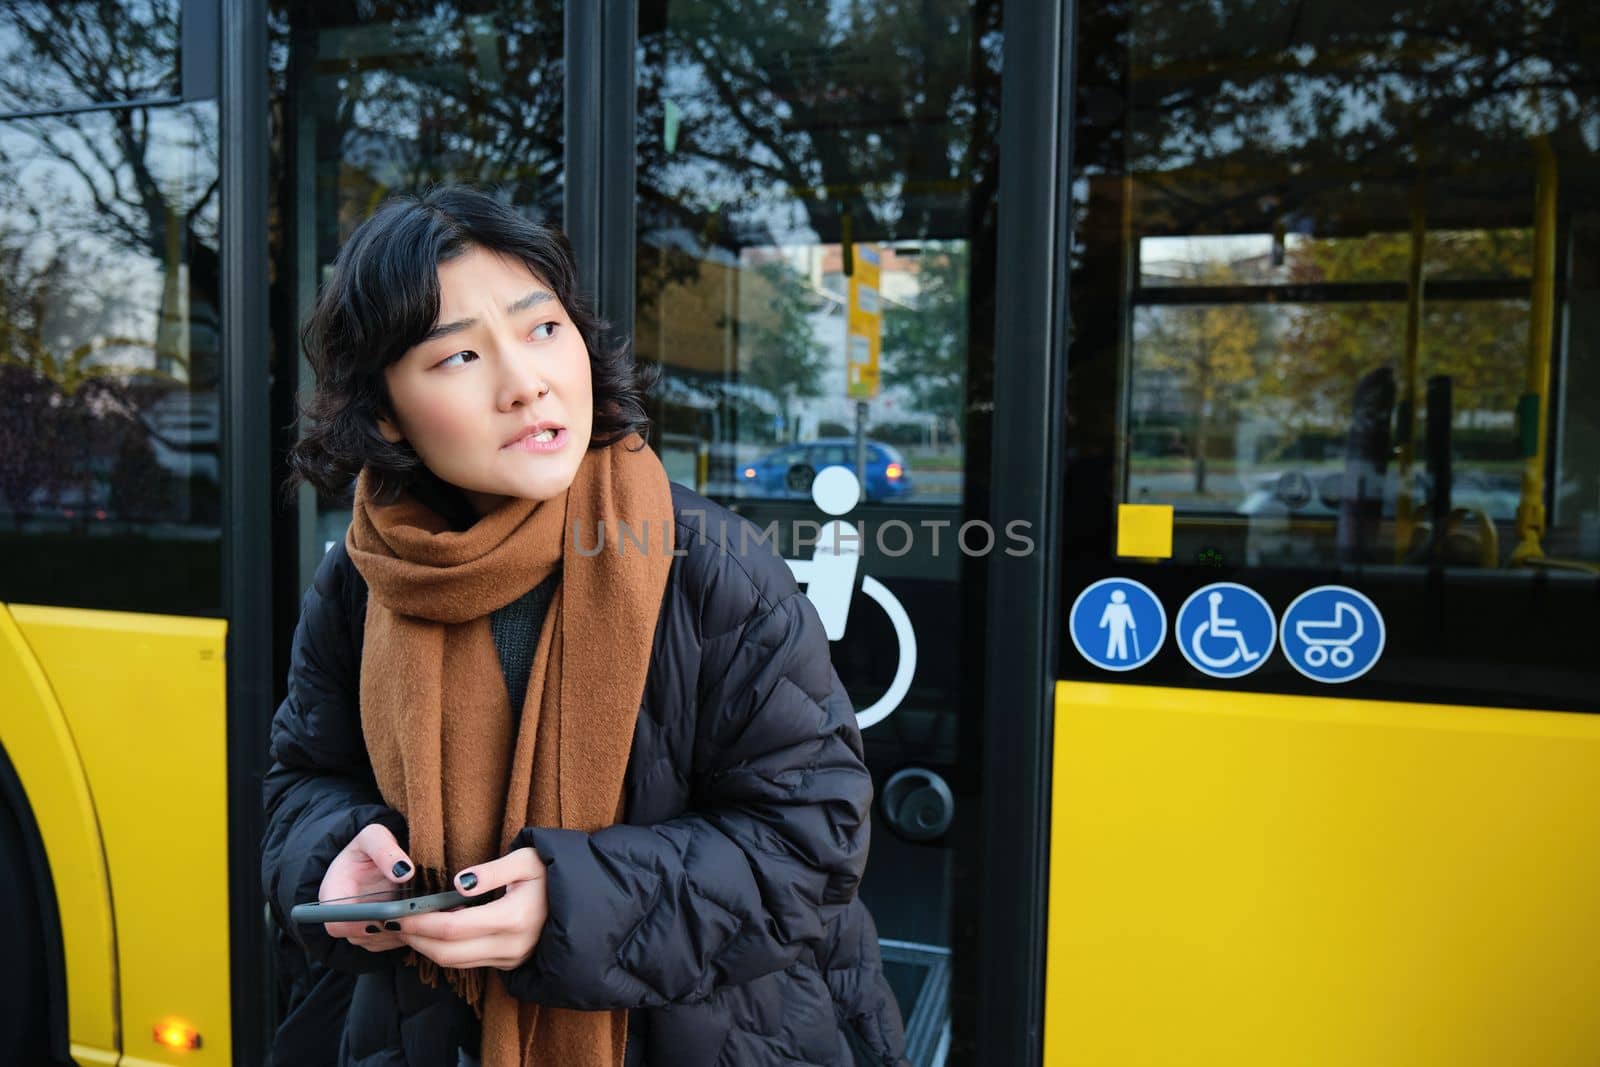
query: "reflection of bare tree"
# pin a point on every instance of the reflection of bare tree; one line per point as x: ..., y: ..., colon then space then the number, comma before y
x: 819, y: 122
x: 879, y: 111
x: 1257, y: 116
x: 1251, y: 113
x: 95, y: 206
x: 402, y: 93
x: 55, y: 55
x: 137, y: 169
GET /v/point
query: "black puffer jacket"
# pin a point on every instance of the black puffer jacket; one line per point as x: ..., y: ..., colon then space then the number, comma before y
x: 722, y: 911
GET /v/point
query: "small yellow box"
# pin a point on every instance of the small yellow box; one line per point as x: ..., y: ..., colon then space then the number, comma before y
x: 1144, y: 530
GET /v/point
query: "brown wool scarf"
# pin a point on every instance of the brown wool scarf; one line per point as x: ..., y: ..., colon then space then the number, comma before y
x: 439, y: 724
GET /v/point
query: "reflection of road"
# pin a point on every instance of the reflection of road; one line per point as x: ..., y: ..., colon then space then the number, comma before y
x: 935, y: 485
x: 1166, y: 487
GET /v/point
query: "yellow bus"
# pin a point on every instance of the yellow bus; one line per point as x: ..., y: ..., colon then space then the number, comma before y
x: 1220, y: 385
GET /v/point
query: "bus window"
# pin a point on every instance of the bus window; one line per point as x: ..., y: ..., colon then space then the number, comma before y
x: 109, y: 369
x: 1346, y: 333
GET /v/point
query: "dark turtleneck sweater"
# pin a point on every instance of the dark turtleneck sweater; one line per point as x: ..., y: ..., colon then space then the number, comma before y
x: 516, y: 634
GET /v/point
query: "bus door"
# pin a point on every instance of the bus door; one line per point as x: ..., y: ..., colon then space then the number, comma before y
x: 797, y: 224
x: 814, y: 274
x: 1326, y: 748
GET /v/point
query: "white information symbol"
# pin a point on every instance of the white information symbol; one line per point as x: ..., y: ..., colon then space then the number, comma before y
x: 828, y: 579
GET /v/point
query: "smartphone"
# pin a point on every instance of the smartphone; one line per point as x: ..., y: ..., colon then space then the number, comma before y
x: 395, y: 902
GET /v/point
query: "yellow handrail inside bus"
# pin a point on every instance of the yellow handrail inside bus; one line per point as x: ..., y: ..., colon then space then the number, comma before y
x: 1533, y: 410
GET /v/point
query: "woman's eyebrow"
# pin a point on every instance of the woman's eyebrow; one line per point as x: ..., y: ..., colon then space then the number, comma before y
x: 538, y: 296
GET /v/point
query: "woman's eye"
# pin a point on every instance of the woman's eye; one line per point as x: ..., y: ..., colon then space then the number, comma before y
x: 547, y: 326
x: 452, y: 360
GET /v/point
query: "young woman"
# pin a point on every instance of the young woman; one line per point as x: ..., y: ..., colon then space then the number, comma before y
x: 536, y: 666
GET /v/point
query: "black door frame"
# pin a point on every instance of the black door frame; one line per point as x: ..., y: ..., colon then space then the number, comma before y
x: 1028, y: 462
x: 1028, y: 444
x: 600, y: 166
x: 246, y: 464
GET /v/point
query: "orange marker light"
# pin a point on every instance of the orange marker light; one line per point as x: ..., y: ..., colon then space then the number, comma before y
x: 749, y: 472
x: 893, y: 471
x: 175, y: 1033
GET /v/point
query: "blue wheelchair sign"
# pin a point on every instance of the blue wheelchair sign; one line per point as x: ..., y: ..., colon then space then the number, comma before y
x: 1117, y: 624
x: 1226, y: 630
x: 1332, y: 634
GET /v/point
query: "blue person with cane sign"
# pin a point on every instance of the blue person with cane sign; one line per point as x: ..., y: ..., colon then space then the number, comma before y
x: 1118, y: 624
x: 1118, y: 620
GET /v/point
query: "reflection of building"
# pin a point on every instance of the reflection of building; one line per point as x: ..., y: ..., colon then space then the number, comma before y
x: 719, y: 308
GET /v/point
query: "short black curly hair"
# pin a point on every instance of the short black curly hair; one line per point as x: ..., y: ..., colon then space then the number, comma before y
x: 382, y: 298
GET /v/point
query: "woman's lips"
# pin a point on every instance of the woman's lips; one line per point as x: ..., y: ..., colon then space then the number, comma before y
x: 536, y: 443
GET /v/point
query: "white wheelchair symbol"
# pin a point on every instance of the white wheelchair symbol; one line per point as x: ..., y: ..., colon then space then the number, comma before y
x: 1330, y: 639
x: 1221, y: 629
x: 828, y: 579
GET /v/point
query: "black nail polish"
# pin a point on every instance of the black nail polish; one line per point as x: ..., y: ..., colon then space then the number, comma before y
x: 402, y: 869
x: 468, y: 880
x: 371, y: 928
x: 390, y: 924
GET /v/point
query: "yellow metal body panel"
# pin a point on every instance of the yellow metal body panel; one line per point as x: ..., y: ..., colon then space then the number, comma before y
x: 1251, y: 879
x: 35, y: 735
x: 144, y: 697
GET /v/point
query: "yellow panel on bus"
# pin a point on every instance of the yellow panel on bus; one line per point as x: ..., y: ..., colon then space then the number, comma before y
x: 1245, y: 879
x: 38, y: 742
x: 145, y: 698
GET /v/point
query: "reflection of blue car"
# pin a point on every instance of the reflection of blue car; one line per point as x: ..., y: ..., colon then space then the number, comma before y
x: 788, y: 472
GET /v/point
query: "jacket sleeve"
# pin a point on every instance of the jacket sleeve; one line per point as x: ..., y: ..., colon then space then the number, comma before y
x: 320, y: 790
x: 772, y: 848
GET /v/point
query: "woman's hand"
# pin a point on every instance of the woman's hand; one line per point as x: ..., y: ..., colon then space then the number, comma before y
x: 372, y: 861
x: 501, y: 933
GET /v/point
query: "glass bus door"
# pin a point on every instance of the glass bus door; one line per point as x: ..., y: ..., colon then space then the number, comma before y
x: 815, y: 277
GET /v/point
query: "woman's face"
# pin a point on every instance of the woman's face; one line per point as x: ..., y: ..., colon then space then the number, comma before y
x: 497, y: 399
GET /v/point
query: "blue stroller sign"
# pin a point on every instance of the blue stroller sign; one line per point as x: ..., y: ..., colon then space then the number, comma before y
x: 1332, y: 634
x: 1118, y: 624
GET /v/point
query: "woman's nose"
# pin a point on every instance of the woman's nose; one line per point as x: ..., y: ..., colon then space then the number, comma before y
x: 520, y: 380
